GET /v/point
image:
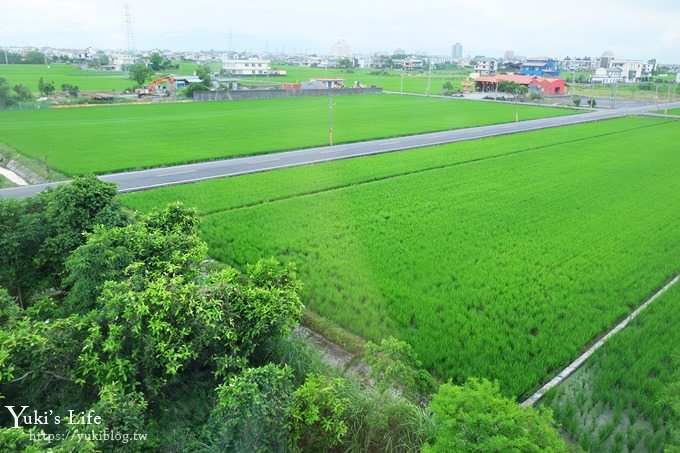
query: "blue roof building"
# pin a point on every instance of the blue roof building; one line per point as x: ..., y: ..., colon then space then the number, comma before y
x: 541, y: 67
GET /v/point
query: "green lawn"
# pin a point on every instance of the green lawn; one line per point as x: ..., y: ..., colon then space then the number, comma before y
x: 29, y: 74
x: 122, y: 137
x: 500, y: 257
x: 670, y: 111
x: 612, y: 402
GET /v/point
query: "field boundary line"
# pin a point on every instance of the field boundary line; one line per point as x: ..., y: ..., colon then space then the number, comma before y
x: 437, y: 167
x: 573, y: 366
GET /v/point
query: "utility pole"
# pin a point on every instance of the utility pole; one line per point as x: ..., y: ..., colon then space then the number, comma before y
x: 656, y: 98
x: 516, y: 106
x: 429, y: 77
x: 330, y: 117
x: 402, y: 81
x: 668, y: 99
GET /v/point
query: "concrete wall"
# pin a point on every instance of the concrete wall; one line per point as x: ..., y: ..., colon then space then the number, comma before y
x: 276, y: 94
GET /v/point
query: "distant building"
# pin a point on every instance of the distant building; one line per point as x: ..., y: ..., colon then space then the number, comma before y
x: 251, y: 66
x: 541, y: 66
x: 508, y: 55
x: 341, y: 50
x: 543, y: 85
x: 579, y: 64
x: 606, y: 59
x: 121, y: 60
x: 607, y: 75
x: 323, y: 83
x: 486, y: 66
x: 457, y: 51
x: 649, y: 68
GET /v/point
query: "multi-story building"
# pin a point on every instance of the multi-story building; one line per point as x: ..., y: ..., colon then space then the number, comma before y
x: 457, y: 51
x: 578, y: 64
x: 631, y: 70
x: 486, y: 66
x: 251, y: 66
x: 541, y: 66
x: 341, y: 50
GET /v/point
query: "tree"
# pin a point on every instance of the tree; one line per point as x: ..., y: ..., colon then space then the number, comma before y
x: 38, y: 233
x: 72, y: 90
x: 250, y: 412
x: 475, y: 417
x: 5, y: 98
x: 203, y: 73
x: 45, y: 88
x: 140, y: 73
x: 156, y: 61
x: 521, y: 90
x: 22, y: 93
x: 34, y: 57
x: 577, y: 102
x: 345, y: 63
x: 592, y: 103
x: 316, y: 414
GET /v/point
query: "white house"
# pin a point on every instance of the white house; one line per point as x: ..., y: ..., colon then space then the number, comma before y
x: 486, y: 67
x: 631, y: 70
x: 251, y: 66
x: 607, y: 75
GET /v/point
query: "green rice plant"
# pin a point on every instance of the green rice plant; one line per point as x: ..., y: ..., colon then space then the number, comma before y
x: 222, y: 194
x: 122, y: 137
x: 505, y: 244
x: 633, y: 370
x: 29, y: 74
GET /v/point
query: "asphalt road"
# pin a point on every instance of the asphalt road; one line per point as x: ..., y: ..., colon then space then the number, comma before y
x: 181, y: 174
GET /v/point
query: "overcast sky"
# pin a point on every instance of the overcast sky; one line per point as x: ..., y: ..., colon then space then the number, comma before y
x: 636, y: 29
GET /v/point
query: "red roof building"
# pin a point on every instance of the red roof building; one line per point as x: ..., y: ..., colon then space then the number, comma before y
x: 550, y: 87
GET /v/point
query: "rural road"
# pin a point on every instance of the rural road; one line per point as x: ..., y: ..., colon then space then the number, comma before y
x: 180, y: 174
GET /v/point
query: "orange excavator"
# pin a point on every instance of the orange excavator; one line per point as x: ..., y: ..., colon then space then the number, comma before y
x: 162, y: 86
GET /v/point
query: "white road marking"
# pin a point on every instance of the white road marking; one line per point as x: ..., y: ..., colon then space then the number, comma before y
x: 328, y: 151
x: 175, y: 173
x: 271, y: 159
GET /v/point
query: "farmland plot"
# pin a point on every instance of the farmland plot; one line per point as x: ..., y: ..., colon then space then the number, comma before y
x: 504, y: 264
x: 614, y: 402
x: 122, y: 137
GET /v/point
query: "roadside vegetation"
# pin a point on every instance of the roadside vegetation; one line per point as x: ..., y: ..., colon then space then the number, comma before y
x: 118, y: 318
x: 516, y: 250
x: 116, y: 138
x: 4, y: 182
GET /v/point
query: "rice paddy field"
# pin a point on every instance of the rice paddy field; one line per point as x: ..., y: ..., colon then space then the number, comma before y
x: 613, y: 402
x: 627, y: 91
x: 29, y: 74
x: 106, y: 139
x: 500, y: 257
x: 419, y: 82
